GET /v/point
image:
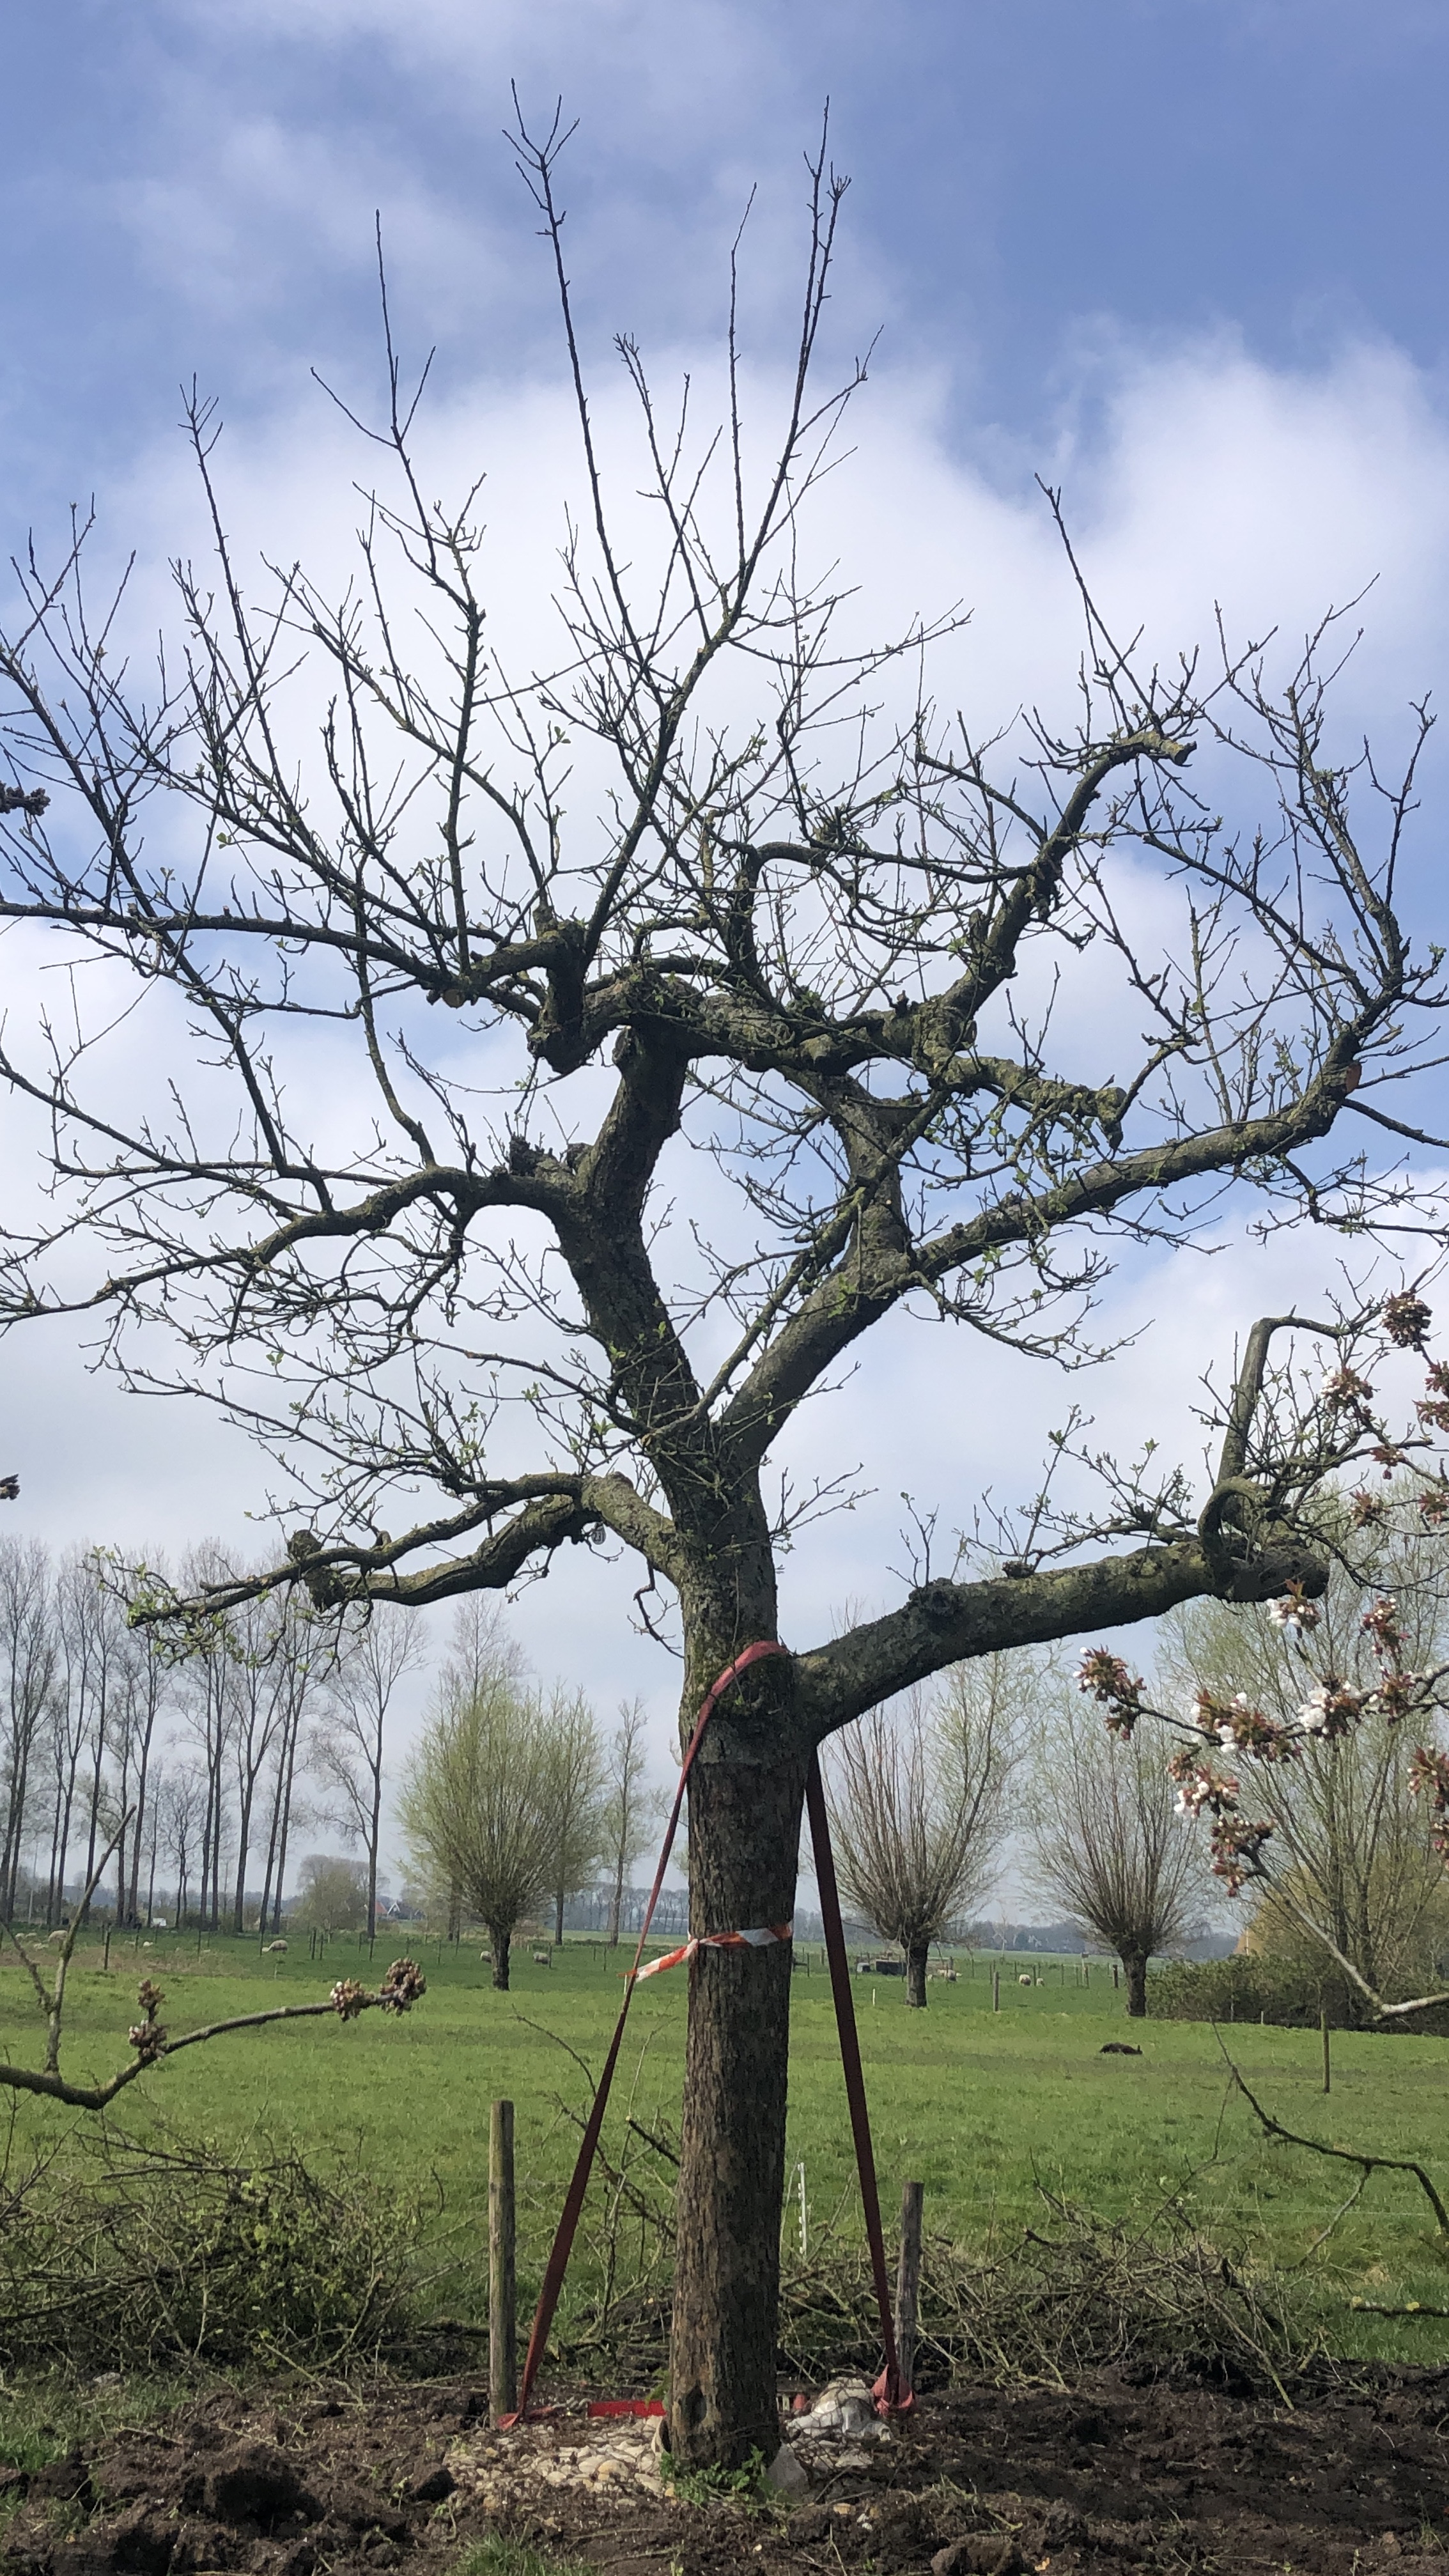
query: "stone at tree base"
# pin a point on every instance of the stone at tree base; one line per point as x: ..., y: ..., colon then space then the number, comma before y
x: 786, y: 2473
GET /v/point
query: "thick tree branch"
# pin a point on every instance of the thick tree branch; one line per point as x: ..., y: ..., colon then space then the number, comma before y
x: 945, y: 1623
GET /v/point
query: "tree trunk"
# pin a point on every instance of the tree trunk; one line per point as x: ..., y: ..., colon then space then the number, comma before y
x: 286, y: 1822
x: 244, y: 1839
x: 558, y: 1916
x: 745, y: 1804
x: 616, y: 1905
x: 500, y: 1936
x: 374, y: 1841
x: 1135, y: 1963
x: 917, y: 1953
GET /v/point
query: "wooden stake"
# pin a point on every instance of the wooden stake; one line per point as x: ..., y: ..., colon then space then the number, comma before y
x: 502, y: 2286
x: 908, y: 2283
x: 1327, y: 2069
x: 996, y: 1990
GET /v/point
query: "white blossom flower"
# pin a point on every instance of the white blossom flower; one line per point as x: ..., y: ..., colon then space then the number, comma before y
x: 1290, y: 1610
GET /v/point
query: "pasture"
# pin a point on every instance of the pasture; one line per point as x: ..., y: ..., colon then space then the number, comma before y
x: 981, y: 2106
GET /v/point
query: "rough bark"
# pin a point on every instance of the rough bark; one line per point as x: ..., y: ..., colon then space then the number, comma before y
x: 500, y: 1941
x: 744, y: 1829
x: 1135, y: 1963
x: 917, y: 1953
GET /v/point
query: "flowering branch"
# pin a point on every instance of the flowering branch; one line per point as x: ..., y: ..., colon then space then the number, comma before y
x: 402, y: 1987
x: 1214, y: 1725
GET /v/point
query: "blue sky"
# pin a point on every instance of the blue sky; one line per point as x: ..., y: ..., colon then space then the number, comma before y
x: 1186, y: 254
x: 189, y: 187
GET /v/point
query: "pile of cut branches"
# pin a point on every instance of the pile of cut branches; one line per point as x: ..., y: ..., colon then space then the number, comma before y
x: 122, y: 2253
x: 1072, y: 2294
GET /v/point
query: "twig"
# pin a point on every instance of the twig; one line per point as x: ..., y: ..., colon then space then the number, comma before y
x: 1324, y: 2233
x: 1345, y: 2155
x: 545, y: 2033
x: 53, y: 2006
x: 661, y: 2146
x: 94, y: 2097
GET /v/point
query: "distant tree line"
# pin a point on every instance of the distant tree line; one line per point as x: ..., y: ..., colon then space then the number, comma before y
x: 210, y: 1766
x: 274, y: 1726
x: 1009, y: 1763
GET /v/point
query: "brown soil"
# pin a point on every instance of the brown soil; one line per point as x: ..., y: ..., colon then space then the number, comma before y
x: 1085, y: 2482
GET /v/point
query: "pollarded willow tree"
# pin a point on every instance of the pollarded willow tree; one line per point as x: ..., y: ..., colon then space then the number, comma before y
x: 785, y: 919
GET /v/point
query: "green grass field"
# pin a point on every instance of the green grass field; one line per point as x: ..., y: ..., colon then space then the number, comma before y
x: 979, y: 2105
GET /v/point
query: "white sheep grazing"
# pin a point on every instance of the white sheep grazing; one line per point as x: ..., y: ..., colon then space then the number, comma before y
x: 1026, y: 1981
x: 543, y: 1958
x: 273, y: 1946
x: 54, y: 1937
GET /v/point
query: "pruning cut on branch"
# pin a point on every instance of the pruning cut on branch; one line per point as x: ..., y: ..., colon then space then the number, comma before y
x: 685, y: 998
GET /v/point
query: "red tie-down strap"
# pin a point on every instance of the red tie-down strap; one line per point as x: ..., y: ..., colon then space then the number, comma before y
x: 891, y: 2394
x: 558, y: 2261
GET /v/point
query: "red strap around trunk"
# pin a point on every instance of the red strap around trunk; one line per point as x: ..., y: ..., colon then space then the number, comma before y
x: 890, y: 2395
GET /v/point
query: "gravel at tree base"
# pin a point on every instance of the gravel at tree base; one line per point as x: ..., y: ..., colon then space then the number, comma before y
x: 986, y: 2481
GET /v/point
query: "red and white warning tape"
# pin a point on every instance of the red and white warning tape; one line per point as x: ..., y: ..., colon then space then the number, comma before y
x: 758, y: 1939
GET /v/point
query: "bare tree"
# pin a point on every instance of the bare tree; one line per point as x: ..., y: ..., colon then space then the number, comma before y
x: 916, y: 1791
x: 29, y: 1660
x: 144, y: 1688
x: 348, y: 1744
x: 631, y: 1806
x: 95, y: 1643
x: 1110, y: 1844
x: 790, y: 916
x: 66, y: 1742
x: 578, y: 1811
x: 209, y: 1707
x: 183, y: 1805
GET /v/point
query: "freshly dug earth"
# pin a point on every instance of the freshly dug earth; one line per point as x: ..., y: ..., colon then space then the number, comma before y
x: 1104, y: 2476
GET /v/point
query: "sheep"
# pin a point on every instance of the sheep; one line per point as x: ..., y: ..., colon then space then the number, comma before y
x: 543, y: 1958
x: 272, y: 1948
x: 1026, y: 1981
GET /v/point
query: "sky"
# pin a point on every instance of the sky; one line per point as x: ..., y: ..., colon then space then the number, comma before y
x: 1182, y: 257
